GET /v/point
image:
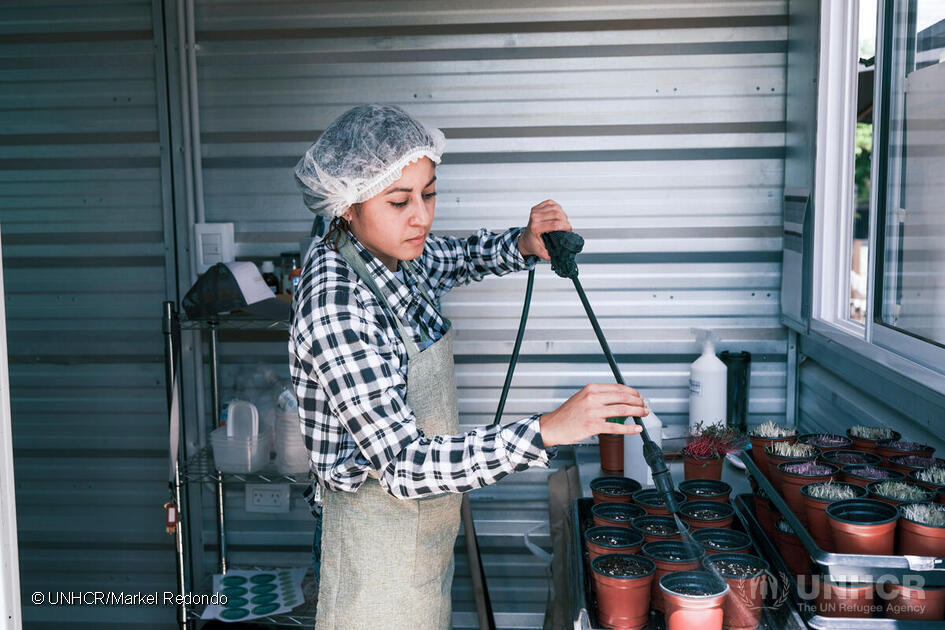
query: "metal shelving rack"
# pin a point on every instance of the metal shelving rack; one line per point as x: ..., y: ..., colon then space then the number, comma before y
x: 199, y: 467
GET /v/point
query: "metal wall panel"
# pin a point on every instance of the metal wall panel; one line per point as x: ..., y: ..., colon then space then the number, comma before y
x: 84, y: 254
x: 658, y: 126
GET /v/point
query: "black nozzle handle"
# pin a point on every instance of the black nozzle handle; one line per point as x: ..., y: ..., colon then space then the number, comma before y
x: 563, y: 247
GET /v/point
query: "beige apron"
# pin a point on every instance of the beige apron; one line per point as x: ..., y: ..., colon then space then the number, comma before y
x: 387, y: 563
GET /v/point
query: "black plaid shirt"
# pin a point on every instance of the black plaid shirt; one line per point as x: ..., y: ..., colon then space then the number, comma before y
x: 348, y: 365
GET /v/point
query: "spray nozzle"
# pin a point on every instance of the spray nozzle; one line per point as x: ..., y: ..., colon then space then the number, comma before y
x: 705, y: 338
x: 562, y: 247
x: 661, y: 477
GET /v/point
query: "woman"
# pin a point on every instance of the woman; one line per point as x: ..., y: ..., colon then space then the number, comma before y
x: 372, y: 364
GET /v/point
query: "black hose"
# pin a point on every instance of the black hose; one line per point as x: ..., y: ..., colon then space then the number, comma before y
x: 513, y: 361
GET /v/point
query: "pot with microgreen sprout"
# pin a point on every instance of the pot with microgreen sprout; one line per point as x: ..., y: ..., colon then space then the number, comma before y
x: 896, y: 492
x: 907, y: 463
x: 794, y: 475
x: 706, y: 447
x: 791, y: 548
x: 785, y: 452
x: 865, y: 475
x: 850, y: 457
x: 932, y: 478
x: 892, y: 448
x: 865, y: 437
x: 765, y: 434
x: 826, y: 442
x: 922, y: 529
x: 816, y: 497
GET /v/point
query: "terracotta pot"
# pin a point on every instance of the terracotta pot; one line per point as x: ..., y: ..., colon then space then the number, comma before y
x: 757, y: 450
x: 885, y: 450
x: 643, y: 523
x: 827, y: 442
x: 873, y: 493
x: 745, y: 602
x: 652, y: 501
x: 611, y: 452
x: 776, y: 460
x: 908, y: 463
x: 849, y: 474
x: 864, y: 444
x: 845, y: 599
x: 920, y: 604
x: 941, y: 496
x: 685, y: 612
x: 715, y: 540
x: 840, y: 458
x: 791, y: 484
x: 614, y: 489
x: 863, y: 526
x: 625, y: 540
x: 702, y: 467
x: 705, y: 490
x: 816, y: 510
x: 623, y: 602
x: 765, y: 515
x: 690, y: 558
x: 689, y: 510
x: 913, y: 476
x: 615, y: 514
x: 916, y: 539
x: 792, y: 551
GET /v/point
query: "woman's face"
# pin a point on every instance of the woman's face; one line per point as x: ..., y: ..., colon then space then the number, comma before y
x: 394, y: 224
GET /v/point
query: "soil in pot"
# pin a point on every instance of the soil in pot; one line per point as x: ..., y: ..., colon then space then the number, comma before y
x: 849, y: 457
x: 670, y: 556
x: 653, y: 502
x: 604, y: 540
x: 717, y: 540
x: 623, y: 583
x: 922, y: 529
x: 865, y: 437
x: 844, y: 599
x: 865, y: 475
x: 611, y: 452
x: 863, y: 526
x: 705, y: 490
x: 658, y: 527
x: 778, y: 454
x: 702, y: 467
x: 703, y: 514
x: 896, y: 492
x: 826, y: 442
x: 892, y: 448
x: 615, y: 514
x: 914, y: 603
x: 791, y: 548
x: 614, y: 489
x: 693, y: 599
x: 908, y: 463
x: 816, y: 497
x: 746, y: 576
x: 796, y: 475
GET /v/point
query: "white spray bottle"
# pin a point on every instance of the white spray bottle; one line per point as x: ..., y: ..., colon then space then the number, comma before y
x: 708, y: 378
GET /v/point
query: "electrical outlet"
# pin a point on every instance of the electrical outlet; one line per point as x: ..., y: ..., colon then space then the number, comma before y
x: 267, y: 497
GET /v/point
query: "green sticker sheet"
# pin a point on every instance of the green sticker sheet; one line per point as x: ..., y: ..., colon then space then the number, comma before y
x: 260, y: 593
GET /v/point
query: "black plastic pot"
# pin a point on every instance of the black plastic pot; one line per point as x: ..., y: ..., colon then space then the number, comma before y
x: 614, y: 489
x: 653, y: 502
x: 622, y: 540
x: 842, y: 442
x: 836, y: 457
x: 689, y: 512
x: 642, y: 523
x: 716, y: 540
x: 615, y: 514
x: 705, y: 490
x: 693, y: 599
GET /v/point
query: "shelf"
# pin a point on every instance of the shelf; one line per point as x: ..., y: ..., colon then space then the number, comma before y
x: 233, y: 322
x: 200, y: 468
x: 301, y: 615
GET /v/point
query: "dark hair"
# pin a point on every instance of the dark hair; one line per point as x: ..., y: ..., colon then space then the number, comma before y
x: 337, y: 227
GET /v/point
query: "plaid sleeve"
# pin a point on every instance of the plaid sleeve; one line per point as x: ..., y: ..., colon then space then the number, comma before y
x: 349, y: 356
x: 450, y: 261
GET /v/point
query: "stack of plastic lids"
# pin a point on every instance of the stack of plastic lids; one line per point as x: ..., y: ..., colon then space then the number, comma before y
x: 239, y: 447
x: 291, y: 454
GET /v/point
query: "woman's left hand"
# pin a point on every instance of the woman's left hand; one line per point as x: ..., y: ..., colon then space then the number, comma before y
x: 545, y: 217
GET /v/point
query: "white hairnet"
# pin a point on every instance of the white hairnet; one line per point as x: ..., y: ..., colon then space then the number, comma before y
x: 360, y: 154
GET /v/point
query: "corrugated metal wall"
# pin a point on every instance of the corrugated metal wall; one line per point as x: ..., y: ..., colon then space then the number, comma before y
x: 658, y: 126
x: 85, y: 247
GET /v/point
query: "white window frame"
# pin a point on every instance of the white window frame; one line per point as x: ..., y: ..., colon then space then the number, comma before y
x: 834, y: 200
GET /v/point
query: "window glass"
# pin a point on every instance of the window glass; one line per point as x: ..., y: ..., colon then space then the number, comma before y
x: 912, y: 245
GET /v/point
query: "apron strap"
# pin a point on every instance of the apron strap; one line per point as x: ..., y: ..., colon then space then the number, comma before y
x: 351, y: 255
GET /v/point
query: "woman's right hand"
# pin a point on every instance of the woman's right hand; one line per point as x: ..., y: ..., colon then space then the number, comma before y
x: 585, y: 414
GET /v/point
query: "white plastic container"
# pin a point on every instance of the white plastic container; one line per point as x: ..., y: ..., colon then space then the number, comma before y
x: 708, y: 378
x: 634, y: 466
x: 239, y: 454
x: 242, y: 419
x: 291, y: 454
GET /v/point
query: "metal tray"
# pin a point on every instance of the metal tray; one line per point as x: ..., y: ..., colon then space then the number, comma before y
x: 852, y: 567
x: 584, y: 604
